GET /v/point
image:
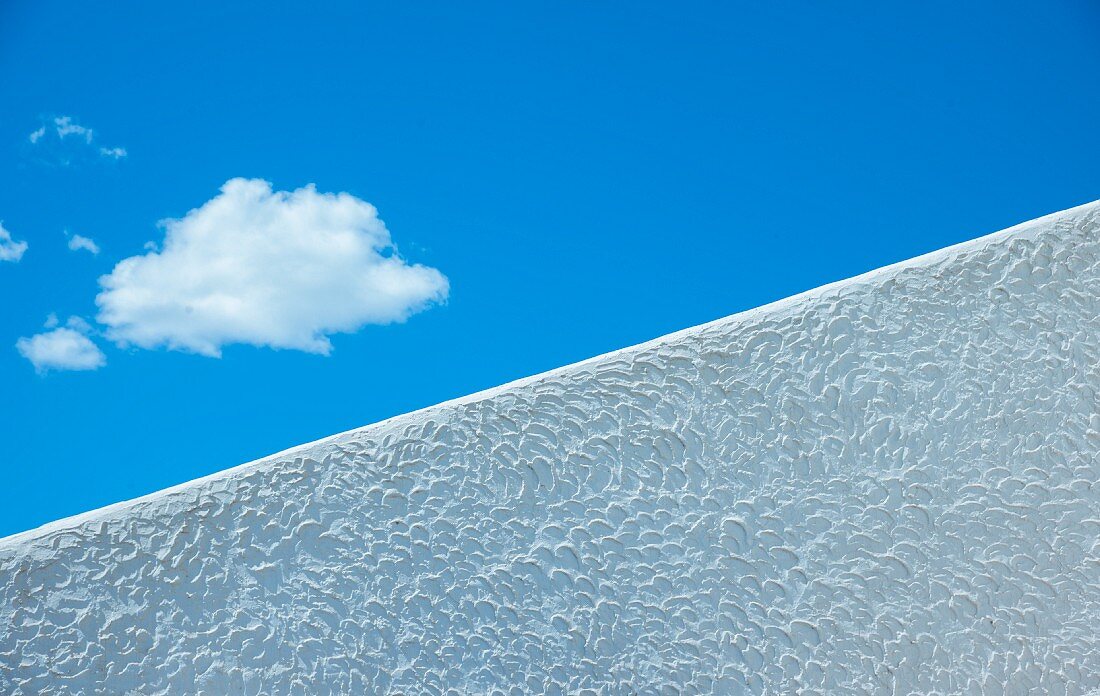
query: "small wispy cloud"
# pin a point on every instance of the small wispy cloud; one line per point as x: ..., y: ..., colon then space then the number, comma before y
x: 79, y: 242
x: 66, y: 127
x: 10, y: 250
x: 64, y: 130
x: 62, y: 347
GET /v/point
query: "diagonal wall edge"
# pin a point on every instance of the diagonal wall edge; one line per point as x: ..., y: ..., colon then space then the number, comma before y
x: 887, y: 483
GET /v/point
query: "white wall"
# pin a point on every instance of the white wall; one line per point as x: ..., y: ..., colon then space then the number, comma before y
x: 888, y: 485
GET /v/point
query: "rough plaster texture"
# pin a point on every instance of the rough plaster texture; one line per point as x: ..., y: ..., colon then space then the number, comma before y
x: 886, y: 485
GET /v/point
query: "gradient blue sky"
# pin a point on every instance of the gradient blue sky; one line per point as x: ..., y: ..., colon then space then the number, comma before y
x: 587, y: 175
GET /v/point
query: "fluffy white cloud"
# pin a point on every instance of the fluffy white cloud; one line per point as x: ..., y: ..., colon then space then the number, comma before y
x: 63, y: 348
x: 266, y: 268
x: 113, y: 152
x: 78, y: 242
x: 37, y: 135
x: 10, y: 250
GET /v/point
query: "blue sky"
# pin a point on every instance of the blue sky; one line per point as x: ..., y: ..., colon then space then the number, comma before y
x: 579, y: 176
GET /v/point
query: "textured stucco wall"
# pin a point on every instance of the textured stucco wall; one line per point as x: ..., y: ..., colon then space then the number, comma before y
x: 887, y: 485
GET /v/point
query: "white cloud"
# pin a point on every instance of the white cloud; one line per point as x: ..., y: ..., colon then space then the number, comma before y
x: 280, y: 269
x: 63, y: 348
x: 66, y: 129
x: 10, y: 250
x: 78, y: 242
